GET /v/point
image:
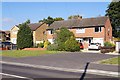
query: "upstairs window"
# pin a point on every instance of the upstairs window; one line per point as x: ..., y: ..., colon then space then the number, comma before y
x: 98, y: 29
x: 80, y: 30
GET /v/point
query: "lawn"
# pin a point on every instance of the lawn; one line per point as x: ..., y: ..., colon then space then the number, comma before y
x: 115, y: 61
x: 25, y: 53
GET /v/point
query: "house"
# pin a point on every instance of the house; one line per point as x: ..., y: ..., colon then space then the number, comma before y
x: 7, y: 35
x: 2, y: 36
x: 13, y: 34
x: 38, y: 29
x: 39, y: 32
x: 86, y: 30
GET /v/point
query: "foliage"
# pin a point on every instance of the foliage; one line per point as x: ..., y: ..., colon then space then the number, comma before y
x: 74, y: 17
x: 50, y: 20
x: 52, y: 47
x: 58, y: 19
x: 24, y: 36
x: 113, y: 12
x: 62, y: 36
x: 41, y: 45
x: 46, y: 43
x: 108, y: 44
x: 28, y: 21
x: 72, y: 45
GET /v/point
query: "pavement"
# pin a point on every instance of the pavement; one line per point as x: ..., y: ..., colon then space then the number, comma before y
x: 71, y: 62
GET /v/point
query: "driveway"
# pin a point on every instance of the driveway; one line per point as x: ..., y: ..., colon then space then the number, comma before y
x: 74, y: 60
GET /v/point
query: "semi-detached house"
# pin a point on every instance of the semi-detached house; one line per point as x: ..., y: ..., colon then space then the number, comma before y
x: 86, y: 30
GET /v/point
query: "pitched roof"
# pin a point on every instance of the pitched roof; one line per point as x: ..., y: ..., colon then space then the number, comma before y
x: 2, y: 31
x: 7, y: 32
x: 34, y: 26
x: 85, y: 22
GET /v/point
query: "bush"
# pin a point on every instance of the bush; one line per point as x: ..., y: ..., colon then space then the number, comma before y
x: 72, y: 45
x: 41, y: 45
x: 52, y: 47
x: 108, y: 44
x: 46, y: 43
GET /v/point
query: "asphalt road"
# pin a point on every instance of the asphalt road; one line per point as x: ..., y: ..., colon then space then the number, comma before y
x: 73, y: 60
x: 12, y: 72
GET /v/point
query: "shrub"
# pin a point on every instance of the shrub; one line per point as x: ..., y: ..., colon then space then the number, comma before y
x: 108, y: 44
x: 72, y: 45
x: 41, y: 45
x: 46, y: 43
x: 52, y: 47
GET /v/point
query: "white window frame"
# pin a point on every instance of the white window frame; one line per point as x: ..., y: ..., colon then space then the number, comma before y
x: 50, y: 32
x: 100, y: 29
x: 80, y: 30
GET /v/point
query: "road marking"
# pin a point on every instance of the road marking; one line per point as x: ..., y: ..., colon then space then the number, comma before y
x: 89, y: 71
x: 16, y: 76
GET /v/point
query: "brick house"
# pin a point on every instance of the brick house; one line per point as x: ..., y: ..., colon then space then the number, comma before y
x: 86, y: 30
x: 38, y: 29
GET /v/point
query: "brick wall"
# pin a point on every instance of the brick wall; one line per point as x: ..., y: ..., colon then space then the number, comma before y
x: 89, y: 32
x: 108, y: 31
x: 40, y: 33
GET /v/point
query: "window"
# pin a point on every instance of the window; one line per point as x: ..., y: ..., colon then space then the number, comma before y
x: 80, y: 30
x: 98, y: 29
x: 50, y: 32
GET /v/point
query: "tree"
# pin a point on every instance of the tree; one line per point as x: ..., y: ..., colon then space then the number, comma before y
x: 50, y: 20
x: 62, y: 36
x: 74, y: 17
x: 24, y: 36
x: 28, y: 21
x: 58, y: 19
x: 113, y: 12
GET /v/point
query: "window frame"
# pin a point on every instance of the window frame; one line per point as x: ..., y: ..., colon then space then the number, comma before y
x: 99, y: 29
x: 80, y: 30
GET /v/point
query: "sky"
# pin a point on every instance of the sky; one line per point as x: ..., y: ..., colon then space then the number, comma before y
x: 14, y: 13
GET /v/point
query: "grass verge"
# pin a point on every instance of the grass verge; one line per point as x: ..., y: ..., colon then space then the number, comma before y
x: 25, y: 53
x: 114, y: 61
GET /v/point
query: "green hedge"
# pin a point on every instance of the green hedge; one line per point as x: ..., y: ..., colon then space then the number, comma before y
x: 108, y: 44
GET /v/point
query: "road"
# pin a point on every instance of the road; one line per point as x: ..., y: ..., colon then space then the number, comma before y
x: 13, y: 72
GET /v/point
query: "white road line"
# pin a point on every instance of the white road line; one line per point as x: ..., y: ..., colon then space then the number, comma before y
x: 11, y: 75
x: 89, y: 71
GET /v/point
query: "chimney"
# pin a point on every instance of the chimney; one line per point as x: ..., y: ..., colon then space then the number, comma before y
x: 80, y: 17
